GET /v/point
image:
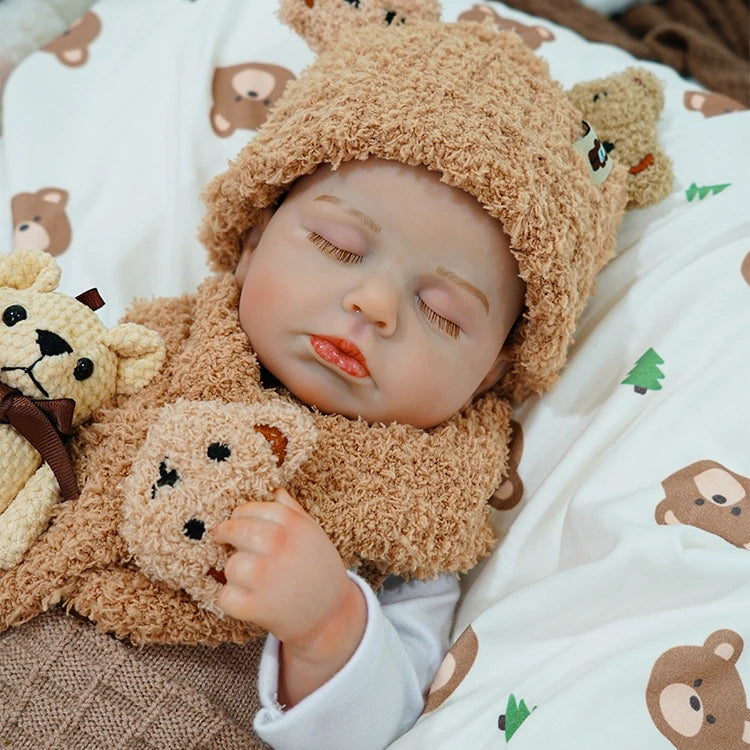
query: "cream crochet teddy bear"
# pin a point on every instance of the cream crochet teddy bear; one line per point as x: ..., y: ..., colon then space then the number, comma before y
x: 58, y: 363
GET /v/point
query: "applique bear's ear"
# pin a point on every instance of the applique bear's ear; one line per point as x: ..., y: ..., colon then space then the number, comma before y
x: 624, y: 109
x: 29, y: 269
x: 321, y: 22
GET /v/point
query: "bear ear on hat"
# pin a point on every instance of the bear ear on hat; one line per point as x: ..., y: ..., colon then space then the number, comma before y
x: 321, y: 22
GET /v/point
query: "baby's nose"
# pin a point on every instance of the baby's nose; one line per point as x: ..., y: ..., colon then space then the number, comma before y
x: 376, y: 301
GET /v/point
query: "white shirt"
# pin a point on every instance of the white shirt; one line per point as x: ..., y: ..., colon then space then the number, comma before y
x: 379, y: 693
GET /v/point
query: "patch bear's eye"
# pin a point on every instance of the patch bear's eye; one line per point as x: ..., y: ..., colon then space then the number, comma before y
x: 14, y: 314
x: 84, y: 369
x: 218, y: 452
x: 194, y: 529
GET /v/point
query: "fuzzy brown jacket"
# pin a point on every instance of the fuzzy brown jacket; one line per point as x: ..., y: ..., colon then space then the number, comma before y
x: 393, y: 498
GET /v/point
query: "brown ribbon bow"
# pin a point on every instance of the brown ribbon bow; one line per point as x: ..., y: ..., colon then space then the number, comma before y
x: 42, y: 422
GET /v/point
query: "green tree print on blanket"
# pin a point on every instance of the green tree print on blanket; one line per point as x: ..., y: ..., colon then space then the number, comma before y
x: 646, y: 373
x: 703, y: 190
x: 515, y: 715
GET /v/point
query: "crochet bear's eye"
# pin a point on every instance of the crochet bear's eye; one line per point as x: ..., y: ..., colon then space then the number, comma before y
x: 218, y: 452
x: 14, y: 314
x: 84, y: 369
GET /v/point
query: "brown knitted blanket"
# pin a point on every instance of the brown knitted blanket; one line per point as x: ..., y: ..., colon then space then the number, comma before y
x: 706, y: 40
x: 65, y: 685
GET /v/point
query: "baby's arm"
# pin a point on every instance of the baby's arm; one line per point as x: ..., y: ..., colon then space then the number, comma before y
x: 379, y: 694
x: 287, y: 577
x: 360, y: 664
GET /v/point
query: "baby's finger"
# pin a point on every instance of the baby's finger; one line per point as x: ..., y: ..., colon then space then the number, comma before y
x: 282, y: 497
x: 251, y: 533
x: 237, y: 602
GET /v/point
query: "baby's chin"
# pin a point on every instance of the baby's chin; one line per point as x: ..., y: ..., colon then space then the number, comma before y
x: 326, y: 402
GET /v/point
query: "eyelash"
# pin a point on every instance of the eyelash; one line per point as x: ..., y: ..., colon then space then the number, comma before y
x: 438, y: 320
x: 337, y: 253
x: 345, y: 256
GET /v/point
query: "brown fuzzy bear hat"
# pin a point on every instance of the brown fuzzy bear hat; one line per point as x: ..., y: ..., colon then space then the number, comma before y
x: 463, y: 99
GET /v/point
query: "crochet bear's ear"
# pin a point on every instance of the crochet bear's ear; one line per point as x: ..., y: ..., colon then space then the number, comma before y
x: 320, y: 22
x: 29, y: 269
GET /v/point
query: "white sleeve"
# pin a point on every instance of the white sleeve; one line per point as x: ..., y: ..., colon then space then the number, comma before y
x: 379, y: 693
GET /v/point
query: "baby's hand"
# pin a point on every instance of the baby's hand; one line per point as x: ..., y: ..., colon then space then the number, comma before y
x: 286, y: 575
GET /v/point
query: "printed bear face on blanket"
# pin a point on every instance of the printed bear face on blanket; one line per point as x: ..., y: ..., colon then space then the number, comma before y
x: 696, y: 698
x: 533, y: 36
x: 72, y: 46
x: 243, y: 95
x: 199, y: 461
x: 624, y: 109
x: 40, y: 221
x: 707, y: 495
x: 711, y: 104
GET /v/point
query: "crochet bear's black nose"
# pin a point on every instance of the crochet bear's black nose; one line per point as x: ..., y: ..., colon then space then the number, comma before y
x: 50, y: 344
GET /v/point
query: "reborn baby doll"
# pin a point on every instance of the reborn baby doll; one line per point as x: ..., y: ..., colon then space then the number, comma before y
x: 386, y: 232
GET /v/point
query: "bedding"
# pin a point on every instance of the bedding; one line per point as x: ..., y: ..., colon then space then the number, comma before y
x: 614, y: 609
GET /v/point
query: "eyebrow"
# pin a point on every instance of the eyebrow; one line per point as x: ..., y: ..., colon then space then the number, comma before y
x: 373, y: 226
x: 458, y: 281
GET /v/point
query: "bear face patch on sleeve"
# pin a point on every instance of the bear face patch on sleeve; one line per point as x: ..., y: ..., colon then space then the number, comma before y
x: 696, y: 698
x: 707, y: 495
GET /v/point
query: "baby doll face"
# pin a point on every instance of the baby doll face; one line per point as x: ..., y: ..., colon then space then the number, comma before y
x: 377, y: 291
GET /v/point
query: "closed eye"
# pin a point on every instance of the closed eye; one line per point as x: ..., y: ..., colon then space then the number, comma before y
x: 438, y: 320
x: 337, y: 253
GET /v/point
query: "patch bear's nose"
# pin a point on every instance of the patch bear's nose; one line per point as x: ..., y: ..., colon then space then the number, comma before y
x: 50, y: 344
x: 167, y: 477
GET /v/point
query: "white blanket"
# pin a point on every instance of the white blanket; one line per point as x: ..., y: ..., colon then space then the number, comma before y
x: 568, y: 629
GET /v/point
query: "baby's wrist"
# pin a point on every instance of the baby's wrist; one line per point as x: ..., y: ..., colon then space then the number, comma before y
x: 311, y: 660
x: 337, y: 635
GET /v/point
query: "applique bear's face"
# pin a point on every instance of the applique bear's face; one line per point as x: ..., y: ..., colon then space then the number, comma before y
x: 199, y: 461
x: 709, y: 496
x: 696, y: 698
x: 623, y: 110
x: 243, y: 95
x: 55, y: 346
x: 40, y: 221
